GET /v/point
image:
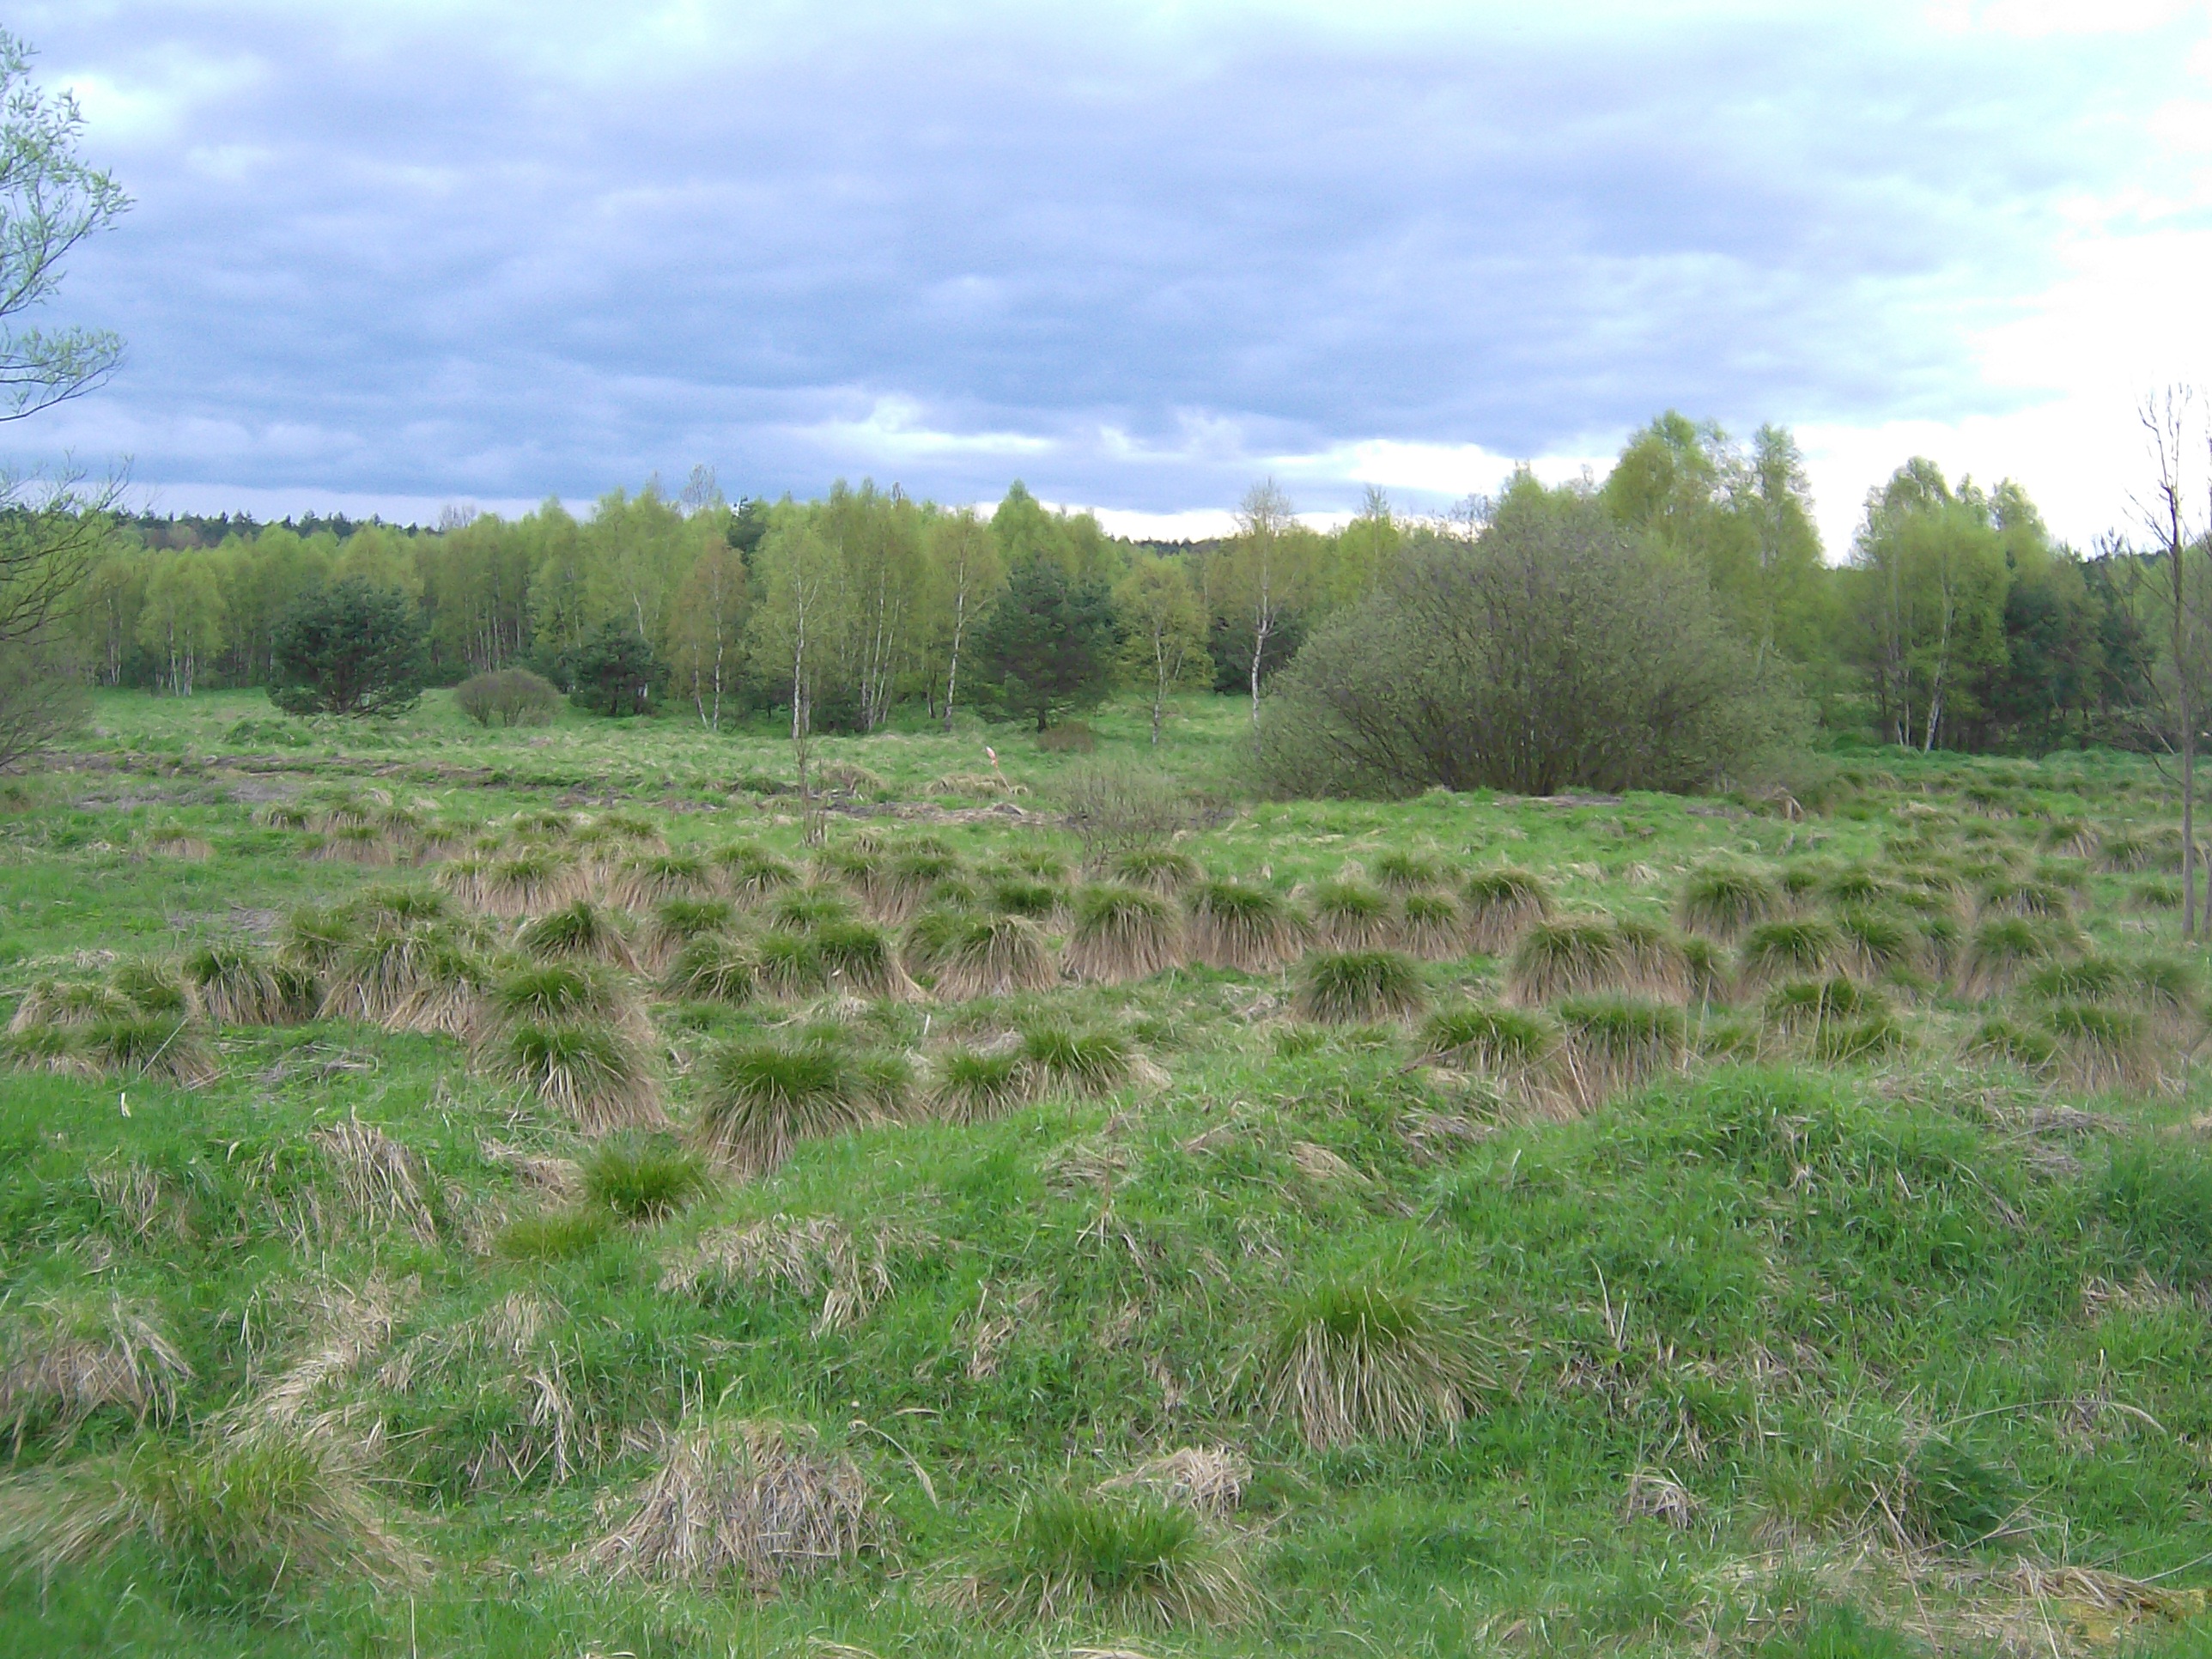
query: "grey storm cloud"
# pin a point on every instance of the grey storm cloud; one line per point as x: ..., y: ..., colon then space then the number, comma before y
x: 493, y: 255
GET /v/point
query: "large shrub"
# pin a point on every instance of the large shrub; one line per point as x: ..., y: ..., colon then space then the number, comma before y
x: 508, y: 696
x: 351, y: 647
x: 1555, y: 651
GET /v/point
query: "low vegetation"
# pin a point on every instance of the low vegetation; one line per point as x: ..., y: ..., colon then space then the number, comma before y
x: 1731, y: 1225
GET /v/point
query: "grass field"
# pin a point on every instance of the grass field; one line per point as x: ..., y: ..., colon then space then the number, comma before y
x: 498, y: 1192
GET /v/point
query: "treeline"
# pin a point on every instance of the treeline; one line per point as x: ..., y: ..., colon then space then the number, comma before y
x: 1957, y: 621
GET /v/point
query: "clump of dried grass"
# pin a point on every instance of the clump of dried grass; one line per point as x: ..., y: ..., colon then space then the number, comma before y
x: 580, y: 931
x: 381, y: 1181
x: 1208, y: 1479
x: 746, y: 1499
x: 63, y: 1357
x: 597, y: 1076
x: 1502, y: 904
x: 1250, y: 929
x: 1128, y: 1558
x: 1574, y: 955
x: 811, y: 1255
x: 995, y: 956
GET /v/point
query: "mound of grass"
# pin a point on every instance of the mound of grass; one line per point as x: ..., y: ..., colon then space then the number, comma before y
x: 970, y: 1085
x: 1157, y: 869
x: 1020, y: 894
x: 860, y: 959
x: 579, y: 932
x: 234, y: 1519
x: 1574, y: 955
x: 748, y: 1501
x: 995, y: 956
x: 1359, y: 987
x: 170, y: 1050
x: 1249, y: 929
x: 1881, y: 944
x: 1721, y: 901
x: 759, y: 1100
x: 657, y: 877
x: 2004, y: 952
x: 1123, y: 934
x: 1058, y: 1059
x: 750, y: 874
x: 643, y: 1179
x: 715, y: 968
x: 63, y: 1357
x: 528, y: 882
x: 237, y: 985
x: 1350, y: 915
x: 595, y: 1075
x: 553, y: 1235
x: 1402, y: 872
x: 2100, y: 1048
x: 1432, y: 926
x: 51, y: 1003
x: 1804, y: 947
x: 1503, y: 904
x: 1130, y: 1559
x: 1613, y: 1045
x: 1351, y: 1359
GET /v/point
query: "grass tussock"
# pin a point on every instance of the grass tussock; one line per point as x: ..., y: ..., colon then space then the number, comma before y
x: 973, y: 1086
x: 1573, y: 956
x: 805, y: 1256
x: 234, y: 984
x: 740, y: 1501
x: 1122, y: 934
x: 159, y: 1049
x: 381, y: 1183
x: 643, y: 1178
x: 234, y: 1519
x: 678, y: 923
x: 1161, y: 870
x: 715, y: 968
x: 1125, y: 1558
x: 1518, y: 1051
x: 596, y: 1076
x: 63, y: 1357
x: 1723, y: 902
x: 1359, y: 987
x: 654, y: 878
x: 1059, y: 1059
x: 1502, y: 905
x: 1247, y: 929
x: 1352, y: 1360
x: 760, y: 1099
x: 528, y: 882
x: 1350, y: 915
x: 995, y: 956
x: 751, y: 875
x: 1614, y: 1044
x: 1793, y: 948
x: 580, y: 931
x: 2004, y: 952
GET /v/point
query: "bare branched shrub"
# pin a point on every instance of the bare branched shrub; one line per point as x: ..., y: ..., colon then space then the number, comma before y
x: 1116, y: 806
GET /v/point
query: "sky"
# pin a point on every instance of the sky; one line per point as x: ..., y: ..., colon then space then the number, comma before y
x: 390, y: 257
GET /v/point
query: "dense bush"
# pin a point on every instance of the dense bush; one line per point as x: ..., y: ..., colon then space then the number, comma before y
x: 1558, y: 650
x: 349, y: 648
x: 508, y: 696
x: 615, y: 672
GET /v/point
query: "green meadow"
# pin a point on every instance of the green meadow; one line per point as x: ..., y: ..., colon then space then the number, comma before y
x: 483, y: 1192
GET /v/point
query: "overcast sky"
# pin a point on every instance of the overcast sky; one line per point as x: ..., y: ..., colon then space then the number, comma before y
x: 396, y: 255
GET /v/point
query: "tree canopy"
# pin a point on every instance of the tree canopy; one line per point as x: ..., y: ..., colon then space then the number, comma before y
x: 352, y: 647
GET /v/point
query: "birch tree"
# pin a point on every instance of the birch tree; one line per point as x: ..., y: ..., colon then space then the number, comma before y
x: 965, y: 575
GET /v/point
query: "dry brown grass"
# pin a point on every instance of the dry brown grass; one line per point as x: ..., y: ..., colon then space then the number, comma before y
x: 380, y: 1182
x: 809, y: 1256
x: 749, y: 1500
x: 63, y: 1357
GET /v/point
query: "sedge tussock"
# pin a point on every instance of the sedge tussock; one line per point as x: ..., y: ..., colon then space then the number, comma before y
x: 314, y: 940
x: 855, y: 958
x: 1880, y: 943
x: 1359, y: 987
x: 351, y: 1328
x: 1796, y: 947
x: 1404, y: 872
x: 1350, y: 915
x: 63, y: 1357
x: 170, y: 1050
x: 2097, y: 1048
x: 996, y: 956
x: 69, y: 1002
x: 565, y: 992
x: 1058, y: 1059
x: 805, y: 1255
x: 1656, y: 963
x: 750, y: 874
x: 237, y: 985
x: 597, y: 1076
x: 528, y: 884
x: 380, y: 1181
x: 55, y: 1050
x: 742, y: 1500
x: 153, y: 985
x: 973, y: 1085
x: 1432, y: 926
x: 1124, y: 1558
x: 2004, y: 952
x: 1159, y: 869
x: 1352, y: 1360
x: 579, y: 931
x: 445, y: 993
x: 1503, y: 904
x: 232, y: 1518
x: 677, y: 922
x: 1123, y: 934
x: 1614, y: 1044
x: 1249, y: 929
x: 761, y: 1099
x: 1020, y: 894
x: 715, y: 968
x: 1516, y: 1050
x: 1571, y: 955
x: 180, y: 844
x: 1721, y: 901
x: 645, y: 881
